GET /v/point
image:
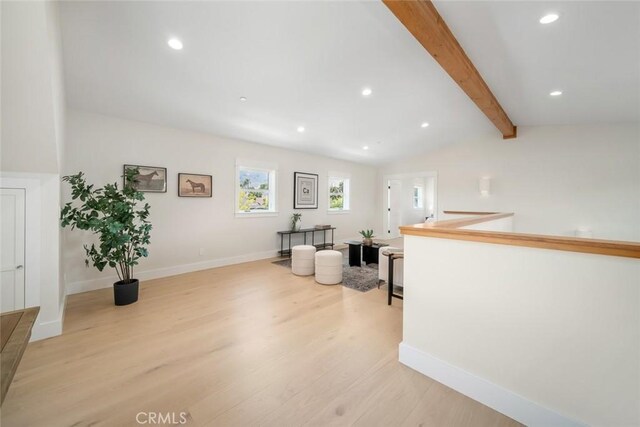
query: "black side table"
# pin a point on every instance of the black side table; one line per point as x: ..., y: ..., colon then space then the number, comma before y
x: 354, y: 253
x: 368, y: 254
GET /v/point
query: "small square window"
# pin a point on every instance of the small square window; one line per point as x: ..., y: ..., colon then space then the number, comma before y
x: 418, y: 197
x: 255, y: 190
x: 338, y: 193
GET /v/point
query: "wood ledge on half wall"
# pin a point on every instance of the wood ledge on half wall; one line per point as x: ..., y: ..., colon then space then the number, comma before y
x: 15, y: 332
x: 452, y: 229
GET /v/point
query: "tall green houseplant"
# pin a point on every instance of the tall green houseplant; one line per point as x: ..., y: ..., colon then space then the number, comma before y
x: 120, y: 220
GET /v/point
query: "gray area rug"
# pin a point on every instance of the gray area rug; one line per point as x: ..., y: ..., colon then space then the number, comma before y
x: 363, y: 278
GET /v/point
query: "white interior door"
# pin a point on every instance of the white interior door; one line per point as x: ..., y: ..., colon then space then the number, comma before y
x: 394, y: 208
x: 12, y: 221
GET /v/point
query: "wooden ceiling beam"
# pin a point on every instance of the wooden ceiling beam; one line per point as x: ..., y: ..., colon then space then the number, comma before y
x: 422, y: 20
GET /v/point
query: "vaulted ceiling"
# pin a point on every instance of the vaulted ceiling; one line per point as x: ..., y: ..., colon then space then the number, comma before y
x: 307, y: 63
x: 591, y: 54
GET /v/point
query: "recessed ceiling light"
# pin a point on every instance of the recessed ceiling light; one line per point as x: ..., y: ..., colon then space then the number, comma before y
x: 556, y: 93
x: 175, y: 44
x: 366, y: 147
x: 366, y: 91
x: 424, y: 125
x: 243, y: 99
x: 300, y: 129
x: 548, y: 19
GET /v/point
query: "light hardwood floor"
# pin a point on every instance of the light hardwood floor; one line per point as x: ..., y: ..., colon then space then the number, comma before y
x: 249, y: 344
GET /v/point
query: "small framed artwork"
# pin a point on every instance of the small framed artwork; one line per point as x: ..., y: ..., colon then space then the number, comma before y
x: 305, y: 190
x: 195, y: 185
x: 150, y: 179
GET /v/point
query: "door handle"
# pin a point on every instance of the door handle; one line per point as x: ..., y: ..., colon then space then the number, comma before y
x: 19, y: 267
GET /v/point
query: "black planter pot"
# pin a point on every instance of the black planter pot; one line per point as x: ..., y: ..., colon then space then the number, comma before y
x: 125, y: 293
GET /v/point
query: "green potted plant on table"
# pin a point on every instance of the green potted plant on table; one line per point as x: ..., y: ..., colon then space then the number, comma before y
x: 295, y: 221
x: 121, y: 224
x: 367, y: 237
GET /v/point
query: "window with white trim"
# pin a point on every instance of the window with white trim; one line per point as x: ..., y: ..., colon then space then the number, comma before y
x: 418, y: 197
x: 255, y: 188
x: 338, y: 193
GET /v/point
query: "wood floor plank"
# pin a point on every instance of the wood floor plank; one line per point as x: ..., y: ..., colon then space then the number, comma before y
x: 249, y: 344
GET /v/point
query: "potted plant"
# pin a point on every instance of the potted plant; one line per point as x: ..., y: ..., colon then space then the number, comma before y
x: 367, y: 237
x: 295, y: 219
x: 121, y: 224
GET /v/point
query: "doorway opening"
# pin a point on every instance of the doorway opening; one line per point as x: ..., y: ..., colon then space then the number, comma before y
x: 409, y: 199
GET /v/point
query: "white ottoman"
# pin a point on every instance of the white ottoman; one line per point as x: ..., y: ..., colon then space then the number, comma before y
x: 383, y: 267
x: 302, y: 260
x: 329, y: 267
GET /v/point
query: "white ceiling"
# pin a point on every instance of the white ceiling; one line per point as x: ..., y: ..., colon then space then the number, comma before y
x: 591, y: 53
x: 306, y: 63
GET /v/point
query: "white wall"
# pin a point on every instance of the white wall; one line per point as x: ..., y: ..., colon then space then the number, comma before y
x: 59, y: 110
x: 57, y: 78
x: 543, y: 336
x: 501, y: 224
x: 100, y: 145
x: 31, y: 145
x: 555, y: 178
x: 52, y: 297
x: 31, y: 88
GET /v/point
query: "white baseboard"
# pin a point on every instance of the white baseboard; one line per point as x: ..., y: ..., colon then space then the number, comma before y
x: 51, y: 328
x: 106, y: 282
x: 45, y: 330
x: 485, y: 392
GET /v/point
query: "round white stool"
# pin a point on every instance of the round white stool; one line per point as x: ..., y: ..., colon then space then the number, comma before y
x: 329, y: 267
x: 302, y: 260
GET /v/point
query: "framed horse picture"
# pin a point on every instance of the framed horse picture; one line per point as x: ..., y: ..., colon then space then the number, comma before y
x: 195, y: 185
x: 150, y: 179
